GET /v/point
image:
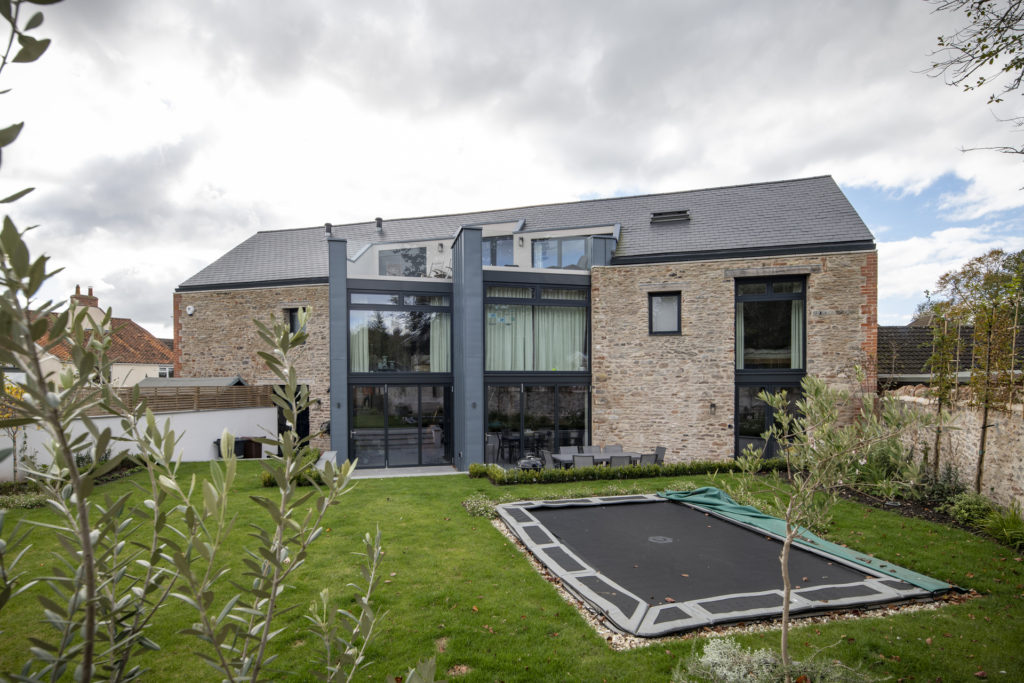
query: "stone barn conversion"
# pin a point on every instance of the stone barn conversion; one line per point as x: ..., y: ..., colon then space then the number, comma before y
x: 644, y: 321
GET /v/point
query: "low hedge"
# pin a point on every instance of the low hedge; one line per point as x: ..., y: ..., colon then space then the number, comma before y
x: 502, y: 477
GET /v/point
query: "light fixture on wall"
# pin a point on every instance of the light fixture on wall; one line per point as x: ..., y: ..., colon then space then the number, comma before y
x: 520, y: 241
x: 440, y: 246
x: 714, y: 408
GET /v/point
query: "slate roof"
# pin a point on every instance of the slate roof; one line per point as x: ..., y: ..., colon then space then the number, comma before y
x: 130, y: 343
x: 781, y: 214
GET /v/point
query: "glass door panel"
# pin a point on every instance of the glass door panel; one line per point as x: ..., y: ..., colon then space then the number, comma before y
x: 539, y: 419
x: 504, y: 420
x: 754, y: 417
x: 573, y: 416
x: 403, y: 437
x: 369, y: 418
x: 435, y: 403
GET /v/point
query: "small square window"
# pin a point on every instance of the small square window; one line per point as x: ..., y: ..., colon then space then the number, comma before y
x: 664, y: 312
x: 292, y: 314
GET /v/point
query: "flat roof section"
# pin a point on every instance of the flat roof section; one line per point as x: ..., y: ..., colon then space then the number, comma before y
x: 654, y: 567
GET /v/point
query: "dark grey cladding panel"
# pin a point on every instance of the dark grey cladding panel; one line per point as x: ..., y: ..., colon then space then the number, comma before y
x: 338, y: 331
x: 807, y: 211
x: 468, y: 348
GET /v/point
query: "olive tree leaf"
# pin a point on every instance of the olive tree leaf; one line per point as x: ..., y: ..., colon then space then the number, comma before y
x: 31, y: 49
x: 16, y: 196
x: 5, y: 10
x: 10, y: 134
x: 35, y: 22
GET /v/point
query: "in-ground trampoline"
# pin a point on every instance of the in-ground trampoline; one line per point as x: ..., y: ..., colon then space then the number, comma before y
x: 659, y: 564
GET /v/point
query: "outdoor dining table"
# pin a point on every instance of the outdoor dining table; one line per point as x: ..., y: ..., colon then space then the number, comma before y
x: 599, y: 458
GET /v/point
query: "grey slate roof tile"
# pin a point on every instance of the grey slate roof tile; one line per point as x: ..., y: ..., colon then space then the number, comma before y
x: 783, y: 213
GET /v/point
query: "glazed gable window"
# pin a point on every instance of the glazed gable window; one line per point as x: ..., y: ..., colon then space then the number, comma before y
x: 770, y: 324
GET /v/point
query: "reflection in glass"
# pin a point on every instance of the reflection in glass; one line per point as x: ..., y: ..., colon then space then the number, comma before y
x: 369, y: 410
x: 434, y: 403
x: 399, y: 341
x: 539, y: 419
x: 403, y: 262
x: 772, y: 334
x: 572, y: 415
x: 504, y: 420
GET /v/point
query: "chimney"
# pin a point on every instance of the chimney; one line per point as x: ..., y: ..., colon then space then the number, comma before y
x: 327, y: 229
x: 87, y: 300
x: 380, y: 224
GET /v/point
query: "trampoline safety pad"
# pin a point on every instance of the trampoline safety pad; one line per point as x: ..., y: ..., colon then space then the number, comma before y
x: 653, y: 567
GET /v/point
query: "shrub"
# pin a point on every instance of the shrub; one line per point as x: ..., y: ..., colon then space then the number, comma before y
x: 308, y: 474
x: 1006, y: 526
x: 479, y: 505
x: 970, y: 509
x: 726, y: 661
x: 503, y: 477
x: 21, y: 501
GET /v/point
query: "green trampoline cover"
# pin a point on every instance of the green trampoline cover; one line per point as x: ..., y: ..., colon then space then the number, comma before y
x: 716, y: 501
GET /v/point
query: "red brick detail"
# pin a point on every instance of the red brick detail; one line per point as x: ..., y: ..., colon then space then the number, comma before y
x: 177, y: 334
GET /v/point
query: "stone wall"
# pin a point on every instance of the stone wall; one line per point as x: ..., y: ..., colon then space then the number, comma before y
x: 654, y: 390
x: 1002, y: 478
x: 219, y: 339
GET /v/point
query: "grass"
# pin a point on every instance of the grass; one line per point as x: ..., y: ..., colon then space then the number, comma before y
x: 459, y: 590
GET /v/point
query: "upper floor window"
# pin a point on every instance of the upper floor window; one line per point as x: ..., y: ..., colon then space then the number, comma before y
x: 498, y: 251
x: 561, y: 252
x: 664, y: 312
x: 770, y: 324
x: 411, y: 262
x: 399, y: 332
x: 538, y: 329
x: 292, y: 314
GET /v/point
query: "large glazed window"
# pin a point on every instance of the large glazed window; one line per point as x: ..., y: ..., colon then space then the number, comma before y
x: 561, y: 252
x: 403, y: 262
x: 770, y: 324
x: 531, y: 330
x: 497, y: 251
x: 412, y: 334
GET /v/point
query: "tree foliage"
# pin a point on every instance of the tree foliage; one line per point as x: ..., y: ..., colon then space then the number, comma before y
x: 988, y: 52
x: 985, y: 294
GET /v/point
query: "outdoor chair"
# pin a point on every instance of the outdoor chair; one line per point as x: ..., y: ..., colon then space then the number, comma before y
x: 618, y: 460
x: 659, y: 455
x: 592, y: 450
x: 491, y: 446
x: 583, y: 461
x: 568, y: 450
x: 648, y: 459
x: 545, y: 455
x: 614, y: 448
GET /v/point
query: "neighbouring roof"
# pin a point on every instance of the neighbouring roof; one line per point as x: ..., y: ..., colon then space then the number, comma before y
x: 130, y: 343
x: 722, y: 220
x: 903, y: 352
x: 235, y: 381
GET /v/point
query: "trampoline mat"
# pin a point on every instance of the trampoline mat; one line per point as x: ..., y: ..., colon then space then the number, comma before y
x: 654, y: 567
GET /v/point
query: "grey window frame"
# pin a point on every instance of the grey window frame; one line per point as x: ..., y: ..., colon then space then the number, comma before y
x: 489, y: 248
x: 679, y: 314
x: 559, y: 241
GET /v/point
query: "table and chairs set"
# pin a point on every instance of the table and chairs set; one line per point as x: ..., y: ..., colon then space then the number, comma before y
x: 588, y: 456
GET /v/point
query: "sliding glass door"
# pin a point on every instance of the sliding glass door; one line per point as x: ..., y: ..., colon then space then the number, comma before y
x: 523, y: 419
x: 400, y: 425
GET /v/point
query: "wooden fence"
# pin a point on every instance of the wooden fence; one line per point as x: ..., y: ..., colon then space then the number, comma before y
x: 187, y: 399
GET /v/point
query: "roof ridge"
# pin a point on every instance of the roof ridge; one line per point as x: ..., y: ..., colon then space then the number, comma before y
x: 551, y: 204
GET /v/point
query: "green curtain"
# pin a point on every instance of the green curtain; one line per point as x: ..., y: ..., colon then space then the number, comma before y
x: 560, y: 338
x: 508, y: 340
x: 440, y: 342
x: 359, y: 341
x: 796, y: 335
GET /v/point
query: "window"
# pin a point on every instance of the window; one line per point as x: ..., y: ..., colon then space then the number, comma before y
x: 535, y: 329
x: 498, y: 251
x: 664, y: 312
x: 399, y: 332
x: 403, y: 262
x: 166, y: 371
x: 561, y: 252
x: 770, y: 325
x: 292, y: 316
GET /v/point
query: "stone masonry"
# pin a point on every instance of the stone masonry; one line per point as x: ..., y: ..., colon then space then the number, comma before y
x: 219, y: 339
x: 657, y: 390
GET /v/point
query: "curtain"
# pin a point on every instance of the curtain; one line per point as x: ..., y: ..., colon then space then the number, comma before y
x: 508, y: 341
x: 739, y: 335
x: 440, y: 342
x: 359, y: 341
x: 796, y: 335
x: 560, y: 338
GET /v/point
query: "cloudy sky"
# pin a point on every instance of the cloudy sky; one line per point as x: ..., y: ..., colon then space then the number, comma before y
x: 161, y: 133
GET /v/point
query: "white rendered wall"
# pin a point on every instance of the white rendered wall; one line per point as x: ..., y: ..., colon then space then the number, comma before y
x: 196, y: 432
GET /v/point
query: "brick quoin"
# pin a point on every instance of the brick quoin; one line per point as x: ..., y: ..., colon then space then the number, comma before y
x: 177, y: 334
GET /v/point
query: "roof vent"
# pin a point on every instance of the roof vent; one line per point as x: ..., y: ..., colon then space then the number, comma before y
x: 380, y: 224
x: 679, y: 216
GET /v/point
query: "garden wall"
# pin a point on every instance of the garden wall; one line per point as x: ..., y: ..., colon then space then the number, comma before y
x: 1003, y: 477
x: 196, y: 431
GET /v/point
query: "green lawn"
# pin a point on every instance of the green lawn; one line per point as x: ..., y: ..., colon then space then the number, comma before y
x: 459, y: 590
